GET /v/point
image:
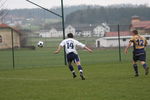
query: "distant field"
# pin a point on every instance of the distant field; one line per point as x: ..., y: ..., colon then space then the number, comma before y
x: 53, y: 42
x: 41, y: 75
x: 44, y: 57
x: 48, y: 42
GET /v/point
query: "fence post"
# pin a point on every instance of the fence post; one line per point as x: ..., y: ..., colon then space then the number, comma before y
x: 62, y: 16
x: 13, y: 55
x: 119, y: 43
x: 63, y: 27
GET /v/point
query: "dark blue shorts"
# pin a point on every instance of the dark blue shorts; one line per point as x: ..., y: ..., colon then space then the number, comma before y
x: 139, y: 56
x: 72, y: 57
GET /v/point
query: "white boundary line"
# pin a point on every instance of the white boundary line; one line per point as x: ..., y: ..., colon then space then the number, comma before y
x: 24, y: 79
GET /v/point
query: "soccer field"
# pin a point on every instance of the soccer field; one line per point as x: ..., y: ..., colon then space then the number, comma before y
x: 41, y: 75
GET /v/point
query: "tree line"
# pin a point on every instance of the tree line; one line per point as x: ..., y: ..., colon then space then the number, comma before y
x: 119, y: 14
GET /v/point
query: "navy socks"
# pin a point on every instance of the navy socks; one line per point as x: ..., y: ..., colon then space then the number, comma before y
x: 71, y: 68
x: 144, y: 66
x: 135, y: 68
x: 80, y: 68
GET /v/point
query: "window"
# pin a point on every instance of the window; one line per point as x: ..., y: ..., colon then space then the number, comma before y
x: 0, y: 39
x: 124, y: 39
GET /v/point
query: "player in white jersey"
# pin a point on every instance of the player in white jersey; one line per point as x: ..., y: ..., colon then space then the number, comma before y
x: 70, y: 45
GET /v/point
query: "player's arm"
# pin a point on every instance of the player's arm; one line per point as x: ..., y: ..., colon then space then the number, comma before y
x: 88, y: 49
x: 58, y: 49
x: 83, y: 46
x: 146, y: 43
x: 126, y: 49
x: 61, y: 45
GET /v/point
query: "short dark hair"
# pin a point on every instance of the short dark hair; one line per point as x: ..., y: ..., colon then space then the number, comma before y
x: 135, y: 32
x: 70, y: 35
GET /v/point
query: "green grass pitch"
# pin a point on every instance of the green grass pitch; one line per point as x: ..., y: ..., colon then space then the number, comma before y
x: 41, y: 75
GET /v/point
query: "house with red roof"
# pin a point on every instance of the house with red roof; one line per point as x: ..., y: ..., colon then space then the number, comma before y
x: 111, y: 38
x: 113, y: 41
x: 114, y: 34
x: 143, y: 27
x: 9, y: 35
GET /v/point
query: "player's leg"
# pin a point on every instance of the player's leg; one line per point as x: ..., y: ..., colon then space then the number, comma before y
x: 142, y: 58
x: 77, y: 61
x: 135, y: 66
x: 69, y: 60
x: 145, y: 67
x: 72, y: 70
x: 79, y: 66
x: 80, y: 70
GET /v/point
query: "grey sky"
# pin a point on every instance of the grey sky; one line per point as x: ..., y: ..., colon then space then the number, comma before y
x: 12, y: 4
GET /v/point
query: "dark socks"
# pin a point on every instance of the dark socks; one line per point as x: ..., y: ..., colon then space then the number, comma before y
x: 71, y: 68
x: 81, y: 72
x: 144, y: 66
x: 135, y: 68
x: 146, y: 69
x: 80, y: 68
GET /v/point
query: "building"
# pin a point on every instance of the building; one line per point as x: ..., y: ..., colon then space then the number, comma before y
x: 142, y: 26
x: 53, y: 33
x: 100, y: 30
x: 70, y: 29
x: 86, y: 33
x: 44, y: 33
x: 84, y: 30
x: 6, y: 33
x: 77, y: 30
x: 56, y: 32
x: 111, y: 39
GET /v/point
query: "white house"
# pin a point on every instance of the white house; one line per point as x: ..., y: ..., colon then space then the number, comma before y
x: 44, y: 33
x: 55, y: 33
x: 50, y: 33
x: 107, y: 28
x: 70, y: 29
x: 86, y: 33
x: 100, y: 30
x: 113, y: 41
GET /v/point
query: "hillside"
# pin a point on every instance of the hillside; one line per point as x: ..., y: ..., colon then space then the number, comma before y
x: 111, y: 15
x: 40, y: 13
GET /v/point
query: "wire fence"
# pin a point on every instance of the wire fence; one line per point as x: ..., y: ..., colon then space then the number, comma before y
x: 108, y: 44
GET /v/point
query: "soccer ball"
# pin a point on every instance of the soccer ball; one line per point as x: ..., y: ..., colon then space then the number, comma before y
x: 40, y: 44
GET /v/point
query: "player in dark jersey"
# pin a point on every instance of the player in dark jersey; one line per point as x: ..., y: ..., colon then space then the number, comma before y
x: 139, y: 54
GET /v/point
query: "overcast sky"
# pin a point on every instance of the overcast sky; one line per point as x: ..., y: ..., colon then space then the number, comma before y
x: 12, y: 4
